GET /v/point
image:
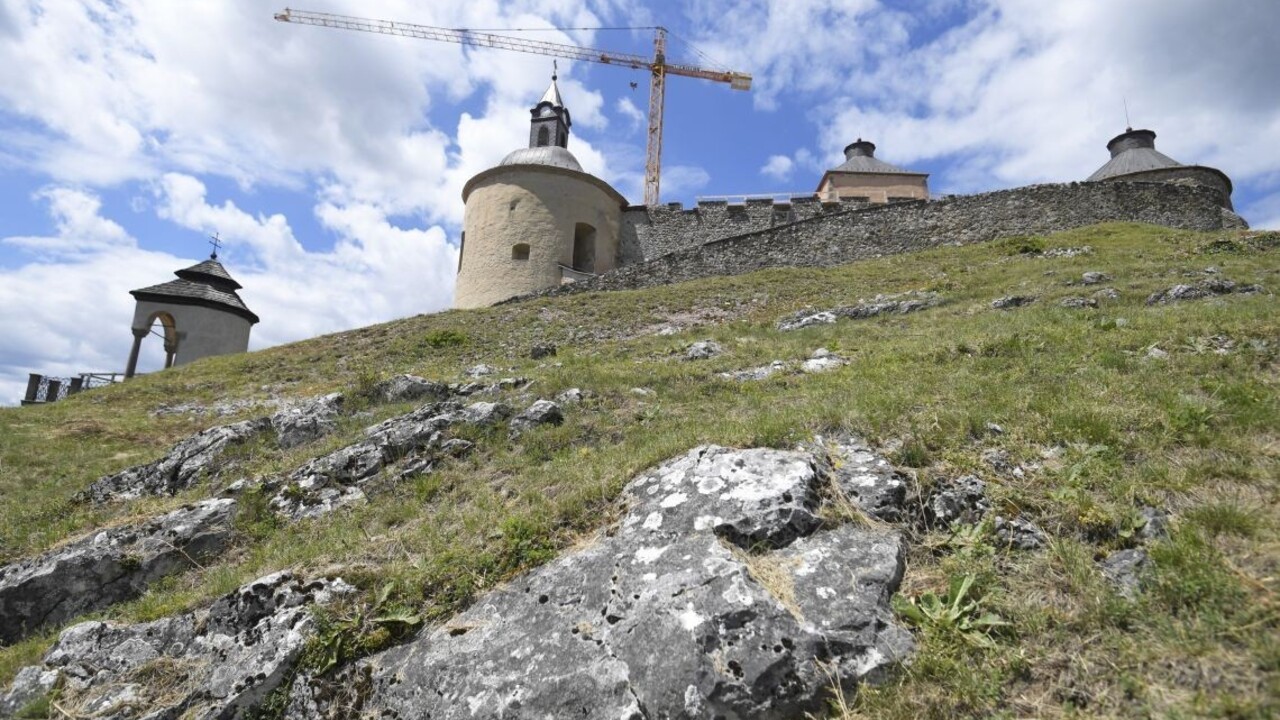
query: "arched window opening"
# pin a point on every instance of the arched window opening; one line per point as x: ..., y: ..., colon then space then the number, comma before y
x: 544, y: 136
x: 584, y: 248
x: 520, y: 251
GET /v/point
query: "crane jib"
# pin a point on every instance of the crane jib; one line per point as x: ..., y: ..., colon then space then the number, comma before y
x: 657, y: 65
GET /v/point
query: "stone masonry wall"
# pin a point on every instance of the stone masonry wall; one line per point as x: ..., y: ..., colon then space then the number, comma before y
x: 652, y: 232
x: 842, y: 237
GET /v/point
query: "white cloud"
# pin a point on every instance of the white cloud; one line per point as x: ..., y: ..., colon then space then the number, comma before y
x: 680, y: 179
x: 80, y: 228
x: 628, y: 109
x: 778, y: 167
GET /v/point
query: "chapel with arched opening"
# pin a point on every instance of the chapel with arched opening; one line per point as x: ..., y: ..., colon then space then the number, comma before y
x: 200, y: 314
x: 537, y: 219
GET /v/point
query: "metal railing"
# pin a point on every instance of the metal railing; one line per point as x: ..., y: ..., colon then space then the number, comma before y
x: 47, y: 388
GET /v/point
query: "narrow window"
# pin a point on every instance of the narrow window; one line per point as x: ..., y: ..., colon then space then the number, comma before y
x: 544, y: 136
x: 584, y: 248
x: 520, y: 251
x: 462, y: 243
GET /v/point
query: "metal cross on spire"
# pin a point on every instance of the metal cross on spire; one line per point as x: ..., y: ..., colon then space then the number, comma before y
x: 216, y: 242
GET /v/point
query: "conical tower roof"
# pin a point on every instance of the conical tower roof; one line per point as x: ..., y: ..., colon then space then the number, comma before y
x: 207, y: 284
x: 860, y: 157
x: 1133, y: 151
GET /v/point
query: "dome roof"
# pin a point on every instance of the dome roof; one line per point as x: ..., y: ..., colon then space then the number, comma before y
x: 1133, y: 151
x: 552, y: 155
x: 860, y: 157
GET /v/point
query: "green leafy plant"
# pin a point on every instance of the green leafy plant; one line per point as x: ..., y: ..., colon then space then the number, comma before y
x: 955, y: 613
x: 358, y: 632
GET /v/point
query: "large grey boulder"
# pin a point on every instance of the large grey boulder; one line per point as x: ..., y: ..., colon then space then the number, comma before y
x: 406, y: 388
x: 541, y: 412
x: 187, y: 462
x: 339, y: 478
x: 217, y: 662
x: 718, y: 595
x: 109, y: 566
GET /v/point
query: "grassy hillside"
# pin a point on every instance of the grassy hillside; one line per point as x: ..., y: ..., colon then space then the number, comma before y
x: 1107, y: 410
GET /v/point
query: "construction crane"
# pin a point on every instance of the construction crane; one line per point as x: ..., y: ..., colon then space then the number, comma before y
x: 657, y: 65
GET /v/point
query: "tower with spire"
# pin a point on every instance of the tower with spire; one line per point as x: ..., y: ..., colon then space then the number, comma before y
x: 537, y: 219
x: 199, y: 314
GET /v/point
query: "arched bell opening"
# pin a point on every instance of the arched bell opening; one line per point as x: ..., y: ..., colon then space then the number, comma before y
x: 168, y: 333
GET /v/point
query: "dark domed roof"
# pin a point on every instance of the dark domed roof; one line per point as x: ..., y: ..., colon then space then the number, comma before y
x: 860, y: 157
x: 551, y: 155
x: 1133, y: 151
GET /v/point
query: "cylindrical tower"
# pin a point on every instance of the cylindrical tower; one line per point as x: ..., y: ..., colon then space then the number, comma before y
x: 536, y: 220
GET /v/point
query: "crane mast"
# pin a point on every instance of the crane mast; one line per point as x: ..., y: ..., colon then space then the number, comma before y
x: 658, y: 66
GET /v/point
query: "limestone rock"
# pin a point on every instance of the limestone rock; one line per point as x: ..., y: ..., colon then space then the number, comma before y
x: 179, y: 468
x: 1107, y: 293
x: 1094, y: 277
x: 963, y: 500
x: 213, y: 663
x: 410, y: 388
x: 668, y: 616
x: 1068, y: 252
x: 108, y: 567
x: 572, y: 396
x: 822, y: 360
x: 869, y: 480
x: 702, y: 350
x: 1019, y: 533
x: 1075, y: 302
x: 1202, y: 289
x: 480, y: 370
x: 308, y: 421
x: 1008, y: 302
x: 542, y: 412
x: 1124, y: 570
x: 1155, y: 525
x: 803, y: 320
x: 756, y: 373
x: 337, y: 479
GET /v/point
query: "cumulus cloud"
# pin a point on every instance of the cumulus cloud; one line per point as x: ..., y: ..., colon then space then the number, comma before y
x: 80, y: 227
x: 778, y: 167
x: 680, y: 179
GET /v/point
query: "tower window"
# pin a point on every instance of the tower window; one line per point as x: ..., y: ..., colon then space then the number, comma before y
x: 520, y: 251
x: 544, y: 136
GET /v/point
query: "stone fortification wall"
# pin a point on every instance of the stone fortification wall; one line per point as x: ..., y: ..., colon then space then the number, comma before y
x: 850, y: 235
x: 648, y: 233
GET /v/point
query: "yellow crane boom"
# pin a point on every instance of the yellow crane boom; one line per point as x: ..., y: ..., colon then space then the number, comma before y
x: 657, y: 65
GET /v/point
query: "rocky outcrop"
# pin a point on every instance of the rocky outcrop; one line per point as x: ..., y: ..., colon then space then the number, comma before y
x: 188, y: 461
x: 720, y: 594
x: 108, y: 567
x: 899, y: 304
x: 868, y: 480
x: 702, y: 350
x: 214, y: 663
x: 541, y: 412
x: 1202, y: 289
x: 1009, y: 302
x: 198, y: 456
x: 339, y: 478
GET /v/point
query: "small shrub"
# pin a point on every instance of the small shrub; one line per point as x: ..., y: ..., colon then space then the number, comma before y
x: 439, y: 339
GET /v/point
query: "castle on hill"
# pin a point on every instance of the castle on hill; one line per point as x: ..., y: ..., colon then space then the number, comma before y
x: 537, y: 222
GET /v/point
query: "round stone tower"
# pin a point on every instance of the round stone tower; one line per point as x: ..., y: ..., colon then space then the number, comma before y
x: 1134, y: 158
x: 536, y: 220
x: 200, y: 314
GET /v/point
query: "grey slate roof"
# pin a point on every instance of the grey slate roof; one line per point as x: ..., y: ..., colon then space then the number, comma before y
x: 1134, y: 160
x: 207, y: 284
x: 860, y: 157
x: 552, y: 95
x: 552, y: 155
x: 865, y: 164
x: 210, y: 269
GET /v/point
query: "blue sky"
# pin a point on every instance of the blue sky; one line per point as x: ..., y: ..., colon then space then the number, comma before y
x: 331, y: 162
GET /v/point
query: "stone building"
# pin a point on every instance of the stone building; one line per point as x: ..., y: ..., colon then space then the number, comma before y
x: 1134, y: 158
x: 864, y: 176
x: 536, y: 219
x: 200, y: 314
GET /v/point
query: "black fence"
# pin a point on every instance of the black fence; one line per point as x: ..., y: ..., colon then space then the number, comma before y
x: 47, y: 389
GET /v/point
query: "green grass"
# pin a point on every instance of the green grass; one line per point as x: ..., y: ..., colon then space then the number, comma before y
x: 1110, y: 429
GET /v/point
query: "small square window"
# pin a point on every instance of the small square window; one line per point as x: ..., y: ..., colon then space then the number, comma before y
x: 520, y: 251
